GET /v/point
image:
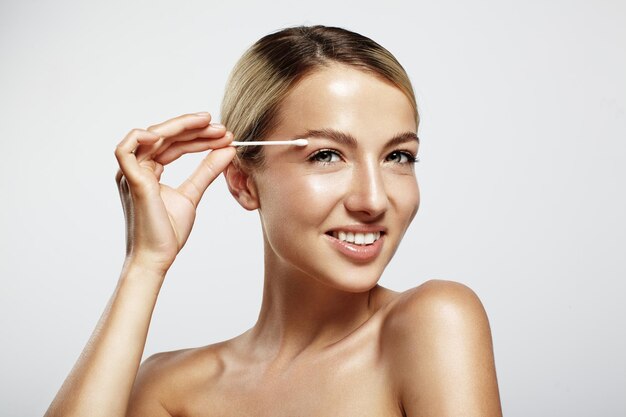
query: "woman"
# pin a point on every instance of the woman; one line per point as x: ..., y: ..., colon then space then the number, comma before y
x: 329, y: 341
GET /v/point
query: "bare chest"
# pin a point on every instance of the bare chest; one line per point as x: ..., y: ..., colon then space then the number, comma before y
x: 348, y: 380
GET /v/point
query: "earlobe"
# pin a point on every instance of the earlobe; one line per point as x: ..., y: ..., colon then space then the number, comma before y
x: 241, y: 186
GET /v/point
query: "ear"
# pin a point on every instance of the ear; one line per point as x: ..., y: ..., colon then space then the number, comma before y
x: 241, y: 185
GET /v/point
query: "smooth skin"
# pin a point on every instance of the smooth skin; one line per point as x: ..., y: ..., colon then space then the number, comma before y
x: 329, y: 341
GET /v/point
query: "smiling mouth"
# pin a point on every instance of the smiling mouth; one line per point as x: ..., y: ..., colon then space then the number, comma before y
x: 358, y: 238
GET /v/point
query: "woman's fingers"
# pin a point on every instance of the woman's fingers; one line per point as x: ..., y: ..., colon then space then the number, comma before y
x: 178, y: 149
x: 179, y: 124
x: 211, y: 131
x: 165, y: 142
x: 172, y: 128
x: 126, y: 158
x: 210, y: 167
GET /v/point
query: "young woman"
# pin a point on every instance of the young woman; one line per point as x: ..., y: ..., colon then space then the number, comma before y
x: 329, y: 341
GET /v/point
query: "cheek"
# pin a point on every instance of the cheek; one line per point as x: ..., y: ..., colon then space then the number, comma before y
x: 305, y: 199
x: 296, y: 212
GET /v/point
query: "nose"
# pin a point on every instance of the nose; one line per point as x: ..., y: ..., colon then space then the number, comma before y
x: 367, y: 195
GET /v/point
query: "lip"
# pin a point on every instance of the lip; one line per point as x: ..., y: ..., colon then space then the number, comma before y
x: 359, y: 253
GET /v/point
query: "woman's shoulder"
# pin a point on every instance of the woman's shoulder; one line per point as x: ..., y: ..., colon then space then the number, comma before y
x: 432, y: 294
x: 434, y: 302
x: 187, y: 364
x: 437, y: 331
x: 168, y: 376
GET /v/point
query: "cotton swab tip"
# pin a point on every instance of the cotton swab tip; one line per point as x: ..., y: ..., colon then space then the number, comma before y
x: 300, y: 142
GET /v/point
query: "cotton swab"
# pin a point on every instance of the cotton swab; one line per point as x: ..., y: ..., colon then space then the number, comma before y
x: 297, y: 142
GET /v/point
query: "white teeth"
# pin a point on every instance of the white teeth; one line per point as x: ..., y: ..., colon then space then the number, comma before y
x: 357, y: 238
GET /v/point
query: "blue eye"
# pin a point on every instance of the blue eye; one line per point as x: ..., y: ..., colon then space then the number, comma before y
x: 325, y: 156
x: 403, y: 157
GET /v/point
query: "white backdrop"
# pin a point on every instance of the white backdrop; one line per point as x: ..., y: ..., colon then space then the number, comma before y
x: 523, y: 132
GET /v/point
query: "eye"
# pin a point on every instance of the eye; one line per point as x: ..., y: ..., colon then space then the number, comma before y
x: 402, y: 157
x: 325, y: 156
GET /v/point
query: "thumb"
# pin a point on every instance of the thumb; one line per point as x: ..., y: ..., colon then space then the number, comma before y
x: 210, y: 167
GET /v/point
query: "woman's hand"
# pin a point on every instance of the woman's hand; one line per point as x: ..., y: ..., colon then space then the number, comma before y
x: 159, y: 218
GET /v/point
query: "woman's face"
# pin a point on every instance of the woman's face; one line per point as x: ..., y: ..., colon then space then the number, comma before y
x: 355, y: 175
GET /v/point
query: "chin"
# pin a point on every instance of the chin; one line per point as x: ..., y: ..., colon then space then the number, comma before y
x: 354, y: 281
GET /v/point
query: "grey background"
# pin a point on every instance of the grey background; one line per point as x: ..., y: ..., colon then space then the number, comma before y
x: 523, y: 109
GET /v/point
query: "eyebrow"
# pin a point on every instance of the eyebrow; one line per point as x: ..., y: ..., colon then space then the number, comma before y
x: 349, y: 140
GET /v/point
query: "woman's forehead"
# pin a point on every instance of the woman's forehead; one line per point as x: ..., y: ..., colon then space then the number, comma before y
x: 346, y: 99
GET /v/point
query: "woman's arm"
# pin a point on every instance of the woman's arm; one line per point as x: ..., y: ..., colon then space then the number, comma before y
x: 159, y: 219
x: 101, y: 381
x: 441, y: 354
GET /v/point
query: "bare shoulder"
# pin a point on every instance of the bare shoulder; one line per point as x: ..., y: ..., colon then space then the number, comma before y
x: 422, y: 312
x: 438, y: 350
x: 164, y: 379
x: 434, y: 296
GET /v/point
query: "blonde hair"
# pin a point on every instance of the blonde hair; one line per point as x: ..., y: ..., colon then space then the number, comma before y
x: 272, y: 66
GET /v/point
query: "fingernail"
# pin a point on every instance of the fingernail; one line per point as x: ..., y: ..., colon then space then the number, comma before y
x: 202, y: 113
x: 217, y: 125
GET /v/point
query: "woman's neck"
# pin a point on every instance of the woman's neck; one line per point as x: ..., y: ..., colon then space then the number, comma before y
x: 299, y: 313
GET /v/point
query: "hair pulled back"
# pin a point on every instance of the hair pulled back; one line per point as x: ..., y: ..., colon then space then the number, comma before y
x: 272, y: 66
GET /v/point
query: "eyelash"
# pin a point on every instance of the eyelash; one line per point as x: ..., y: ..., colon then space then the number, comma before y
x: 410, y: 158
